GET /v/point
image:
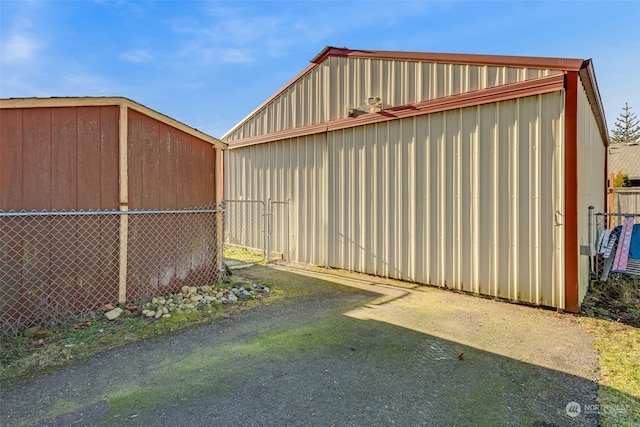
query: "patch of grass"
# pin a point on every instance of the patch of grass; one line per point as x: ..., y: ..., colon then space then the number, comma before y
x: 21, y: 357
x: 613, y: 309
x: 619, y: 391
x: 239, y: 253
x: 616, y: 299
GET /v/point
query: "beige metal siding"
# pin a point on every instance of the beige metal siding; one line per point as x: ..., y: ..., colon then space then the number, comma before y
x: 464, y: 199
x: 453, y: 199
x: 591, y: 179
x: 292, y: 170
x: 328, y: 90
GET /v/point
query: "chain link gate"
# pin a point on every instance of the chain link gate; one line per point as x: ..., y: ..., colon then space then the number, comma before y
x: 56, y: 265
x: 255, y: 231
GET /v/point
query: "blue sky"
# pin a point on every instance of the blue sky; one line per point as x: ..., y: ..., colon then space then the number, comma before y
x: 210, y: 63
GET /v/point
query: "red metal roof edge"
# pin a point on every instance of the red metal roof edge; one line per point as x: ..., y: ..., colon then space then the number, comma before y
x: 467, y: 99
x: 271, y: 98
x: 565, y: 64
x: 588, y: 77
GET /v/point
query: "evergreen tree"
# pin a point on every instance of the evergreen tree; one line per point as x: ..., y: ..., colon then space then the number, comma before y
x: 627, y: 127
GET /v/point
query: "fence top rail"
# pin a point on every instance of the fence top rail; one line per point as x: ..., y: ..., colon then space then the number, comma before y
x: 85, y: 213
x: 242, y: 201
x: 617, y: 214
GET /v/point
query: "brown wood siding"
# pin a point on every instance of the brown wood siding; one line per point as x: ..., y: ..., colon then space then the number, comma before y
x: 10, y: 159
x: 62, y: 158
x: 168, y: 168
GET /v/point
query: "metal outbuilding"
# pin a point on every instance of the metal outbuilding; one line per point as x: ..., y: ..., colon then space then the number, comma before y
x: 470, y: 172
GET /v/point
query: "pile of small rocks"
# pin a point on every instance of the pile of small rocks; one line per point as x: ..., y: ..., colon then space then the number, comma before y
x: 192, y: 298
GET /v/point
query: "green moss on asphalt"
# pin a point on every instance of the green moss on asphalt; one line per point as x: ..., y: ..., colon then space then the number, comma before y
x: 206, y: 370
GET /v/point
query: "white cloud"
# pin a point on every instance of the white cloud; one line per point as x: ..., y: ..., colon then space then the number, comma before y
x: 236, y: 56
x: 18, y: 48
x: 138, y: 56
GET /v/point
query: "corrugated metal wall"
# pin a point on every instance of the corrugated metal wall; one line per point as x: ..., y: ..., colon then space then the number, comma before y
x: 59, y: 158
x: 340, y: 83
x: 294, y: 169
x: 464, y: 199
x: 591, y: 180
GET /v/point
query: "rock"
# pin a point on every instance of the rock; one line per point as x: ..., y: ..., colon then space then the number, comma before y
x: 195, y: 298
x: 31, y: 332
x: 244, y: 295
x: 133, y: 309
x: 232, y: 298
x: 164, y: 316
x: 107, y: 307
x: 159, y: 313
x: 210, y: 298
x: 193, y: 289
x: 206, y: 288
x: 184, y: 290
x: 113, y: 314
x: 43, y: 333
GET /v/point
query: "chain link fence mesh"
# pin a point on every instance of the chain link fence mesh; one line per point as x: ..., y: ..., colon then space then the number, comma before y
x: 244, y: 231
x: 57, y: 265
x: 256, y: 231
x: 279, y: 230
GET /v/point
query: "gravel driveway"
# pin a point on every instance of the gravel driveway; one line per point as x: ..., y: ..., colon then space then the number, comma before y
x: 341, y: 349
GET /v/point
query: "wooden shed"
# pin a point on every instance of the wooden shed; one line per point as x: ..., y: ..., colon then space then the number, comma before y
x: 107, y: 155
x: 470, y: 172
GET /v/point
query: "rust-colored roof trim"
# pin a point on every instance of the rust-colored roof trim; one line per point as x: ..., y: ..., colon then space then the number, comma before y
x: 588, y: 77
x: 271, y: 98
x: 571, y: 265
x: 469, y: 99
x: 105, y: 101
x: 565, y: 64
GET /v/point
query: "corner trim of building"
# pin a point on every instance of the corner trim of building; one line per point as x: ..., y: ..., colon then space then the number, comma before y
x: 571, y: 285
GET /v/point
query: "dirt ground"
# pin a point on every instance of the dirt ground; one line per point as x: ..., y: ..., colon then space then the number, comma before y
x: 340, y: 349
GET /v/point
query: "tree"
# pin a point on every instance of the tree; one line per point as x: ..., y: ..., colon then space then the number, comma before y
x: 627, y: 127
x: 621, y: 179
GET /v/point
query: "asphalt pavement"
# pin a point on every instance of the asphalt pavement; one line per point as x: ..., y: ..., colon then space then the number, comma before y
x: 341, y: 349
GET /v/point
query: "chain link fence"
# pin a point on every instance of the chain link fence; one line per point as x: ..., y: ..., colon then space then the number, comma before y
x: 244, y: 231
x: 255, y: 231
x: 57, y: 265
x: 279, y: 230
